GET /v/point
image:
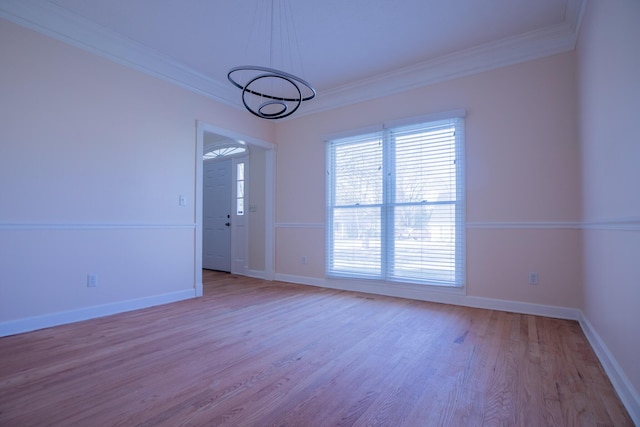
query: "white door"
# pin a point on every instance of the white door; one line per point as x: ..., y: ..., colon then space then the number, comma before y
x: 216, y: 216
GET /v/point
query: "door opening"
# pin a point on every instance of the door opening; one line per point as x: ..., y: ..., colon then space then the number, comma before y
x: 251, y: 203
x: 216, y: 215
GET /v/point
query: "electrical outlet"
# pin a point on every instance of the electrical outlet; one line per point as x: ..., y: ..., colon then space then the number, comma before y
x: 92, y: 280
x: 303, y: 260
x: 533, y: 278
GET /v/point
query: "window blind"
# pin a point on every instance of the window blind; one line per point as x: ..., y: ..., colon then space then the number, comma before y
x: 395, y: 204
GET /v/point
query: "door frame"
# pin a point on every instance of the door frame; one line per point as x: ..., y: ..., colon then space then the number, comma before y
x: 270, y: 161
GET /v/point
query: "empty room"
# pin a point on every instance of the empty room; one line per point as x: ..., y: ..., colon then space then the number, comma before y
x: 319, y: 213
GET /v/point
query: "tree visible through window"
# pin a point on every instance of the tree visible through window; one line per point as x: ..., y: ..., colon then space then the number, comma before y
x: 395, y: 204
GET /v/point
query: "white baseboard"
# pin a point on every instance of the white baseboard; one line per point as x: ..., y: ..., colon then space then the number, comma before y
x: 256, y: 274
x: 443, y: 295
x: 28, y: 324
x: 628, y: 394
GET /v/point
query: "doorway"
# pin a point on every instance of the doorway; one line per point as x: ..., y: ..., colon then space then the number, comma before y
x: 224, y: 217
x: 251, y: 234
x: 216, y: 215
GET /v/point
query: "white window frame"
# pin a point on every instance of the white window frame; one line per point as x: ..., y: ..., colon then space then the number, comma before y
x: 388, y: 205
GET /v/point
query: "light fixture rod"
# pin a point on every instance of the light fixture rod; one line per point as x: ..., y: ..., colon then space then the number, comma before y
x: 271, y: 36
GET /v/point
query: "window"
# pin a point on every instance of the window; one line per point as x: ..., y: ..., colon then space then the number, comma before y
x: 240, y: 188
x: 395, y: 204
x: 224, y: 151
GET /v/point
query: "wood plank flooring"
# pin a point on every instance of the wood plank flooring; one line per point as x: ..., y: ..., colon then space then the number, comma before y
x: 257, y: 353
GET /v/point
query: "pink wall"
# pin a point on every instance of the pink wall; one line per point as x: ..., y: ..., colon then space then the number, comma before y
x: 93, y: 157
x: 523, y: 178
x: 609, y: 82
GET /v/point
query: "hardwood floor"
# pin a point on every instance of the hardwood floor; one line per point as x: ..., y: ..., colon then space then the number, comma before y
x: 256, y: 353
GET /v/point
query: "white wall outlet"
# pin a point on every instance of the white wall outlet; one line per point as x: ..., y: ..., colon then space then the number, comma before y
x: 303, y: 260
x: 533, y: 278
x: 92, y: 280
x: 182, y: 200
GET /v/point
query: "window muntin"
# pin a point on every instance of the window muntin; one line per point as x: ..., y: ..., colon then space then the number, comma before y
x: 240, y: 182
x: 225, y: 151
x: 395, y: 206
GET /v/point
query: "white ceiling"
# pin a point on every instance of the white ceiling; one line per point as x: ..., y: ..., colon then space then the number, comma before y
x: 350, y: 50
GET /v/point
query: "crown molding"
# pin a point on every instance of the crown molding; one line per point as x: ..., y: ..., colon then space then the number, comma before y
x: 58, y: 23
x: 510, y: 51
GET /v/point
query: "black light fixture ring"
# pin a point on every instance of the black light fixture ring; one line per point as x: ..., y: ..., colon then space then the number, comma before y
x: 274, y: 99
x: 274, y: 72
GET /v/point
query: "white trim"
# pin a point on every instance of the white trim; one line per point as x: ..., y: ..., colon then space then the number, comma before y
x: 621, y: 383
x: 198, y: 185
x: 352, y: 132
x: 269, y: 213
x: 444, y: 115
x: 256, y: 274
x: 628, y: 394
x: 623, y: 224
x: 524, y: 225
x: 445, y: 295
x: 619, y: 224
x: 80, y: 226
x: 270, y: 161
x: 239, y: 249
x: 300, y: 225
x: 434, y: 117
x: 522, y: 307
x: 207, y: 127
x: 632, y: 224
x: 60, y: 318
x: 514, y: 50
x: 57, y: 22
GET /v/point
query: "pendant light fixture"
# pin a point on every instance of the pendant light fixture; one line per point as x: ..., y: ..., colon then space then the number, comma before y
x: 267, y: 92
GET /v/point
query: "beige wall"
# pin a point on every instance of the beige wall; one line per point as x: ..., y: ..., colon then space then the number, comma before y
x: 93, y: 158
x: 609, y: 71
x: 523, y: 171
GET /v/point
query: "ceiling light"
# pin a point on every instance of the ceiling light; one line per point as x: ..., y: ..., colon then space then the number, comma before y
x: 267, y: 92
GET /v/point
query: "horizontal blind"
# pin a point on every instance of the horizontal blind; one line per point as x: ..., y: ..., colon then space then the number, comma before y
x: 395, y: 206
x: 423, y: 202
x: 355, y: 200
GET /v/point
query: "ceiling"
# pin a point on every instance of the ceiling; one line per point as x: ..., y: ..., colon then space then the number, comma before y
x: 350, y: 50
